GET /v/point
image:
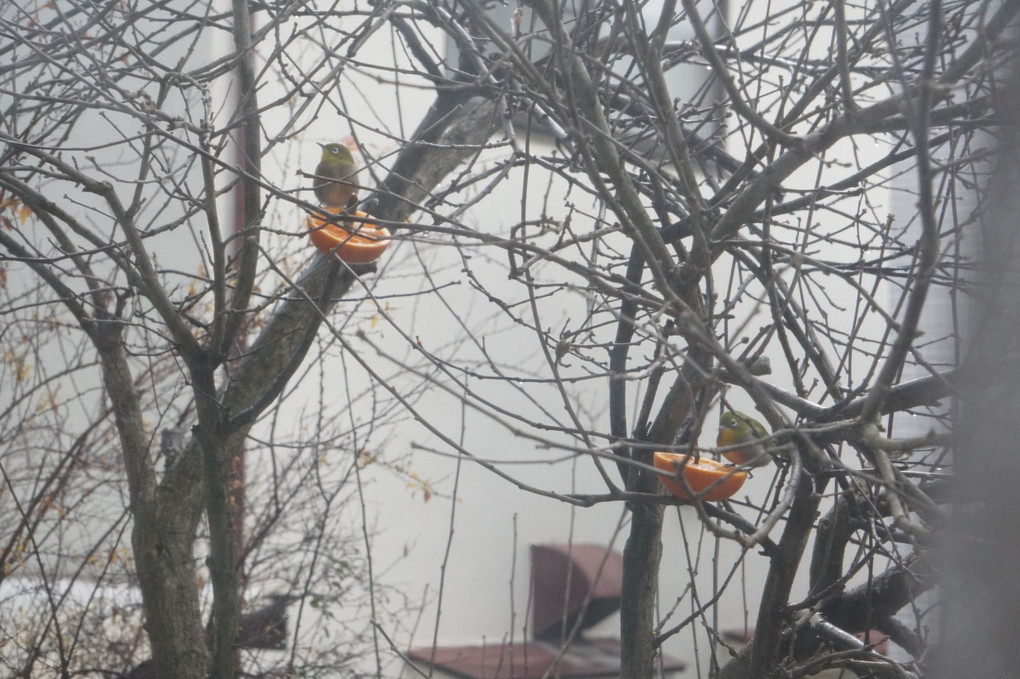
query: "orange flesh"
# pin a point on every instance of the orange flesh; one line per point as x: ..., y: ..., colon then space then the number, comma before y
x: 359, y: 243
x: 720, y: 479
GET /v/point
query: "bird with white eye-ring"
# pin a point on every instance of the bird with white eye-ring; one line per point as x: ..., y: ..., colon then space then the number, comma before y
x: 333, y: 182
x: 744, y: 440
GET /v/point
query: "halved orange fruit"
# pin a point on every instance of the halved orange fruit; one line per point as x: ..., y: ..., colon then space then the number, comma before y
x: 355, y: 242
x: 711, y: 481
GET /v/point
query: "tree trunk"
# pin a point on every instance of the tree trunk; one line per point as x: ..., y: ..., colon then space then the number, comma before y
x: 163, y: 534
x: 643, y: 551
x: 641, y: 557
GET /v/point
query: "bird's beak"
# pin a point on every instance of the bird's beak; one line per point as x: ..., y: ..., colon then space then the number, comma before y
x: 321, y: 146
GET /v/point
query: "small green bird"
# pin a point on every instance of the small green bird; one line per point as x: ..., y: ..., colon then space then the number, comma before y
x: 736, y: 428
x: 334, y: 177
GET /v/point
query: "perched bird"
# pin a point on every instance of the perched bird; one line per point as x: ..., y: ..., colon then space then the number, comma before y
x: 334, y: 177
x: 736, y: 428
x: 266, y: 627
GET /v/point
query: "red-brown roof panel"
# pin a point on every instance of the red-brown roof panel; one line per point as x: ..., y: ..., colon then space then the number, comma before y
x: 532, y: 660
x: 570, y: 581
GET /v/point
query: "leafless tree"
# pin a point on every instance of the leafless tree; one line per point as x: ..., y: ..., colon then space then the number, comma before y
x: 717, y: 203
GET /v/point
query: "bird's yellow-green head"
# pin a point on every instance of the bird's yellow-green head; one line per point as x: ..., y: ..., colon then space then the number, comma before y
x: 334, y: 155
x: 735, y: 428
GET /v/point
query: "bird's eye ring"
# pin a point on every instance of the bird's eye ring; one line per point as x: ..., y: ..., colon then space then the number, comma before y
x: 733, y: 422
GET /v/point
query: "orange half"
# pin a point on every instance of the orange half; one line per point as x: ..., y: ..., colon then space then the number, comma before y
x: 720, y: 480
x: 355, y: 242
